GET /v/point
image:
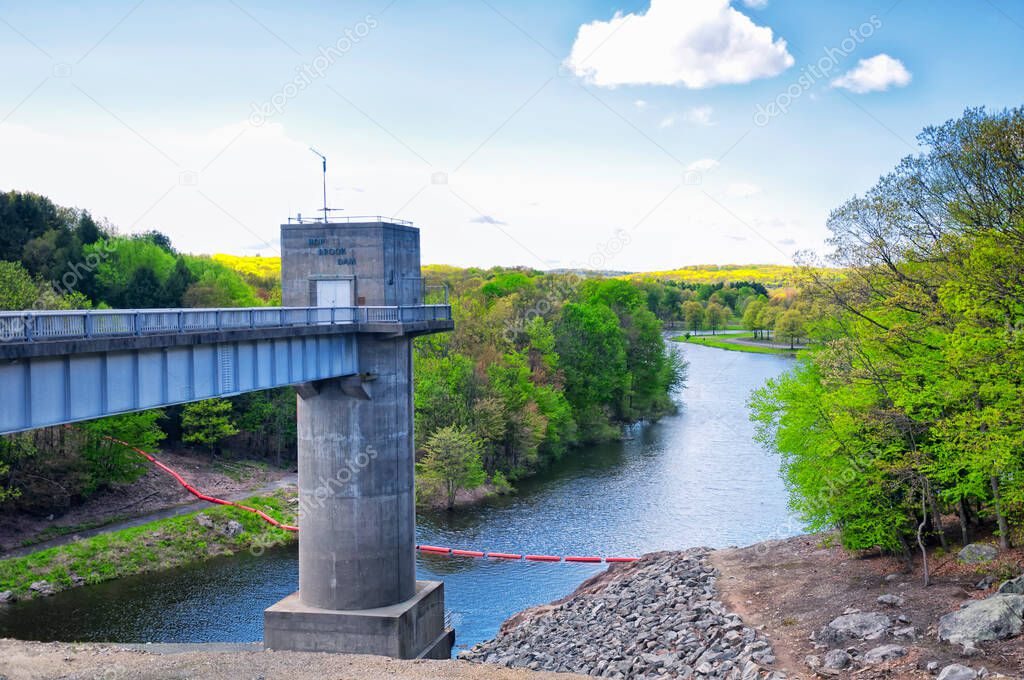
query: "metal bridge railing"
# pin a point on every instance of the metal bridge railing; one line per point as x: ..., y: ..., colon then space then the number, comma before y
x: 102, y: 323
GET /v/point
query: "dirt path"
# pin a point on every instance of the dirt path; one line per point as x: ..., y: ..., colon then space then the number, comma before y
x: 154, y: 496
x: 35, y: 661
x: 795, y: 586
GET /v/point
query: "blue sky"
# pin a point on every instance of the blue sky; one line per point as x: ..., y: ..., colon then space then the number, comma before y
x: 616, y: 135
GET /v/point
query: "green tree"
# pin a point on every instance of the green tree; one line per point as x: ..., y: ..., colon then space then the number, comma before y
x: 108, y: 461
x: 715, y: 316
x: 593, y: 351
x: 751, y: 316
x: 453, y: 460
x: 208, y: 423
x: 693, y: 315
x: 790, y: 326
x: 913, y: 383
x: 14, y: 449
x: 17, y: 289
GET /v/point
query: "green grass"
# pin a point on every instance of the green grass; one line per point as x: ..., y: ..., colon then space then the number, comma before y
x: 151, y: 547
x: 57, y: 531
x: 718, y: 342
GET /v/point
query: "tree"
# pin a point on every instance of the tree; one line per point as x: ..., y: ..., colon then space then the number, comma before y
x: 790, y: 326
x: 693, y: 315
x: 766, y: 318
x: 453, y: 459
x: 593, y: 351
x: 17, y: 289
x: 208, y: 423
x: 109, y: 461
x: 751, y: 316
x: 143, y: 290
x: 14, y: 448
x: 715, y: 316
x: 913, y: 386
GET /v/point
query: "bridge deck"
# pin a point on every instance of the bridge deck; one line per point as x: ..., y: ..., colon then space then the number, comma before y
x: 67, y: 366
x: 36, y: 326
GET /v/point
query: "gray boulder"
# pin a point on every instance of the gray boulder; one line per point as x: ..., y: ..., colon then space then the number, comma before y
x: 995, y: 618
x: 884, y: 653
x: 42, y: 588
x: 837, y: 660
x: 890, y: 600
x: 977, y: 553
x: 6, y: 596
x: 1015, y: 586
x: 957, y: 672
x: 204, y: 520
x: 233, y: 528
x: 859, y: 626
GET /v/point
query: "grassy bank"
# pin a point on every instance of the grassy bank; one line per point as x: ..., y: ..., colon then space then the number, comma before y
x: 725, y: 342
x: 151, y: 547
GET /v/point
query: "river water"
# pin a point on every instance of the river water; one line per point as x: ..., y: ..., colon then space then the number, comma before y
x: 693, y: 479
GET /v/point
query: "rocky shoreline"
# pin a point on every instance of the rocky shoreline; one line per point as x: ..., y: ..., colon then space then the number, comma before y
x: 656, y: 618
x: 786, y: 609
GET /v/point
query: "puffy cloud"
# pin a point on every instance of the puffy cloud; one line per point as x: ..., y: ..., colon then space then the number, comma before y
x: 697, y: 44
x: 640, y: 104
x: 876, y: 74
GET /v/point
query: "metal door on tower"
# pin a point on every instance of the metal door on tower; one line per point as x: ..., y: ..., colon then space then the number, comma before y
x: 335, y: 293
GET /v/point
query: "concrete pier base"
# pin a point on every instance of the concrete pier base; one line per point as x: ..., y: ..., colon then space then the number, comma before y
x: 413, y: 629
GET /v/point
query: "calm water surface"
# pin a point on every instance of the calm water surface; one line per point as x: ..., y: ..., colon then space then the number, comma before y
x: 693, y: 479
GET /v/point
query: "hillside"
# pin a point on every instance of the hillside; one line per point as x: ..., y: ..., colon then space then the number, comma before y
x: 254, y: 265
x: 772, y: 275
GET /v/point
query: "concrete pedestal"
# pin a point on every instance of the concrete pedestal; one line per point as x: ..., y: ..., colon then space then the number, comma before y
x: 413, y: 629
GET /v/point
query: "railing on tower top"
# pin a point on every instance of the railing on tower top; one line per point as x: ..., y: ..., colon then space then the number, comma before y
x: 104, y: 323
x: 349, y: 219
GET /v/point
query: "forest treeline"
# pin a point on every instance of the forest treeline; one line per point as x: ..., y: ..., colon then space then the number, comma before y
x: 538, y: 363
x: 906, y: 418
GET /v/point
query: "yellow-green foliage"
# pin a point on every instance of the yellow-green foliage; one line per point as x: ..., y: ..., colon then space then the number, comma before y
x: 767, y: 274
x: 260, y: 267
x: 151, y: 547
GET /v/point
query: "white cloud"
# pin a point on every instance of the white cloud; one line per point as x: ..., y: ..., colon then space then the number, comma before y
x: 487, y: 219
x: 667, y: 122
x: 756, y: 4
x: 876, y: 74
x: 640, y: 104
x: 701, y: 115
x: 699, y: 43
x: 743, y: 189
x: 702, y: 165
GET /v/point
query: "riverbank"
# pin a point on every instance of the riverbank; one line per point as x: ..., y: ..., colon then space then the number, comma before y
x: 658, y: 617
x: 148, y: 498
x: 738, y: 342
x: 791, y: 608
x: 155, y: 546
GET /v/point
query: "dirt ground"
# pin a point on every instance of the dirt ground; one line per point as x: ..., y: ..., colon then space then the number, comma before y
x: 795, y: 586
x: 153, y: 492
x: 35, y: 661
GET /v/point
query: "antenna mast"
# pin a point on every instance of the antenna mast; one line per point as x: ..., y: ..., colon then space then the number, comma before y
x: 324, y: 159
